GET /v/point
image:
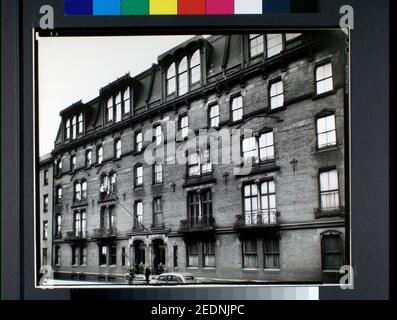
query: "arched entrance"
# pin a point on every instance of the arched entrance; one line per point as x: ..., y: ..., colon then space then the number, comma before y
x: 139, y: 249
x: 158, y: 256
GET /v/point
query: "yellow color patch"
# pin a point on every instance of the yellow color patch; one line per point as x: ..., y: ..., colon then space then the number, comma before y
x: 163, y: 7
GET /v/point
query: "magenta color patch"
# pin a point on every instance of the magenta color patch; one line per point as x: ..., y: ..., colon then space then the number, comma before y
x: 220, y: 7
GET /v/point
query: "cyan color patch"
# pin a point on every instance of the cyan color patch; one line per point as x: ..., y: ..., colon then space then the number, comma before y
x: 107, y: 7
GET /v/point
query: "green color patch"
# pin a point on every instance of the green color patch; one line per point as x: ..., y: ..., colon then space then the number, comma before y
x: 134, y: 7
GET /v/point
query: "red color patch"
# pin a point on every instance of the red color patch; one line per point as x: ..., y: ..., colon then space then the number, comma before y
x: 191, y: 7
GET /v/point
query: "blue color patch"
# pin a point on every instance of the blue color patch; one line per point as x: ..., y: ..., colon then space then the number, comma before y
x: 277, y: 6
x: 107, y: 7
x: 78, y: 8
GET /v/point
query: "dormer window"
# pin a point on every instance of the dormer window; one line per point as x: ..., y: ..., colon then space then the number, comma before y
x: 171, y: 79
x: 127, y: 101
x: 74, y: 127
x: 274, y: 44
x: 81, y: 123
x: 195, y: 67
x: 67, y: 129
x: 256, y: 44
x: 183, y: 81
x: 109, y: 110
x: 118, y: 107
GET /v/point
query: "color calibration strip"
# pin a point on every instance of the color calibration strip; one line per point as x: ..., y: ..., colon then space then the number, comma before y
x: 186, y: 7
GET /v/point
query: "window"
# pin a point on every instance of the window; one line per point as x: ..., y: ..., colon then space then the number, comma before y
x: 157, y: 212
x: 127, y: 101
x: 117, y: 148
x: 195, y: 68
x: 80, y: 224
x: 45, y: 179
x: 109, y: 110
x: 326, y: 131
x: 138, y: 142
x: 158, y: 134
x: 58, y: 166
x: 138, y: 214
x: 274, y: 44
x: 45, y: 203
x: 107, y: 218
x: 271, y: 249
x: 250, y: 254
x: 171, y: 79
x: 123, y: 257
x: 184, y: 126
x: 67, y: 129
x: 74, y: 128
x: 256, y: 44
x: 108, y: 184
x: 183, y: 84
x: 214, y: 116
x: 73, y: 162
x: 199, y: 163
x: 58, y: 194
x: 158, y: 173
x: 259, y: 147
x: 57, y: 256
x: 291, y: 36
x: 58, y: 225
x: 329, y: 190
x: 113, y: 255
x: 175, y: 256
x: 45, y: 257
x: 103, y: 253
x: 209, y: 253
x: 192, y: 254
x: 83, y: 190
x: 113, y: 178
x: 79, y: 255
x: 77, y: 191
x: 237, y: 108
x: 118, y: 107
x: 99, y: 154
x: 324, y: 82
x: 138, y: 175
x: 81, y: 123
x: 45, y: 230
x: 88, y: 158
x: 276, y: 95
x: 75, y: 255
x: 260, y: 207
x: 200, y: 206
x: 332, y: 251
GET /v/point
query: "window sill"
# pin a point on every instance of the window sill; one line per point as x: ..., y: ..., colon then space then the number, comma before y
x: 236, y: 122
x: 250, y: 269
x: 320, y: 213
x: 324, y: 94
x: 209, y: 268
x: 326, y: 149
x: 192, y: 268
x: 275, y: 110
x: 138, y: 187
x: 271, y: 270
x: 137, y: 153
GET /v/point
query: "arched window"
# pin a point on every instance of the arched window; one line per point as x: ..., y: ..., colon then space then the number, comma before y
x: 195, y: 67
x: 74, y: 128
x: 67, y: 129
x: 183, y: 83
x: 127, y: 100
x: 171, y: 79
x: 109, y: 110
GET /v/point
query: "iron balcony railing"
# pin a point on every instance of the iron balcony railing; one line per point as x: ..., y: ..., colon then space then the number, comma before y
x: 261, y: 218
x: 108, y: 194
x: 197, y: 224
x: 76, y: 235
x: 102, y: 233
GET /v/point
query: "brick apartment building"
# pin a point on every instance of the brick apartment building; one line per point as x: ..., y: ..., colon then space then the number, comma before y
x: 283, y: 221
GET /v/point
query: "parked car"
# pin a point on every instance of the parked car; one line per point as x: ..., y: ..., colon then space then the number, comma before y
x: 170, y: 279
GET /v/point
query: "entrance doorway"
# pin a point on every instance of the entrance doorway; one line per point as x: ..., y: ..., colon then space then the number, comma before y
x: 158, y: 256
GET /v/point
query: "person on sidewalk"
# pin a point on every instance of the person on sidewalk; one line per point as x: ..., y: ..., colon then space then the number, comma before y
x: 147, y: 274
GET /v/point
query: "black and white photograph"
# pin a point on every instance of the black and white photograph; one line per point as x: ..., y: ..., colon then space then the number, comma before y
x: 198, y: 160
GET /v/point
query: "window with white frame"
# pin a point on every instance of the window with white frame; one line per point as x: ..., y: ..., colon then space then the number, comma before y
x: 58, y: 194
x: 77, y: 191
x: 237, y: 108
x: 209, y: 254
x: 158, y: 172
x: 274, y: 44
x: 73, y: 162
x: 80, y: 223
x: 127, y: 101
x: 329, y: 190
x: 324, y: 80
x: 138, y: 214
x: 259, y: 148
x: 271, y: 248
x: 171, y: 79
x: 58, y: 225
x: 139, y: 141
x: 192, y: 254
x: 81, y: 123
x: 214, y: 116
x: 199, y: 162
x: 88, y: 158
x: 67, y: 129
x: 99, y: 154
x: 45, y: 230
x: 157, y: 211
x: 195, y: 67
x: 74, y: 127
x: 183, y: 81
x: 276, y: 95
x: 117, y: 148
x: 158, y: 134
x: 250, y: 253
x: 326, y: 131
x: 80, y: 190
x: 109, y: 110
x: 118, y: 107
x: 45, y: 203
x: 138, y: 175
x: 184, y: 126
x: 256, y: 44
